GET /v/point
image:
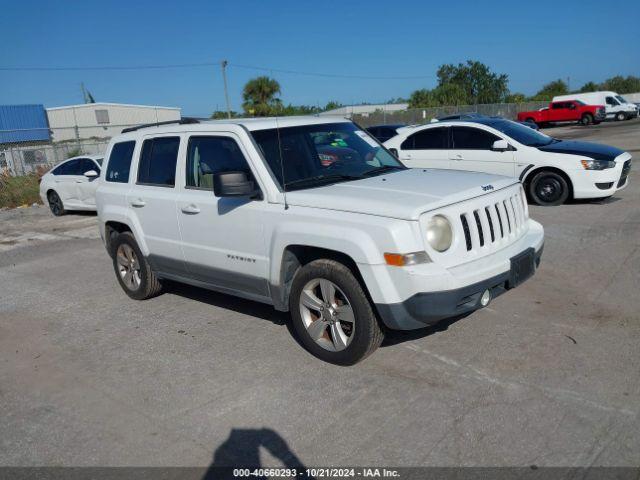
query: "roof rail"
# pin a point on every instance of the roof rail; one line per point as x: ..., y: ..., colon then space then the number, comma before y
x: 182, y: 121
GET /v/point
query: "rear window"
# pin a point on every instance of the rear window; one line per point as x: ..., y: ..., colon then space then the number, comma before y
x: 428, y: 139
x: 120, y: 162
x: 158, y: 161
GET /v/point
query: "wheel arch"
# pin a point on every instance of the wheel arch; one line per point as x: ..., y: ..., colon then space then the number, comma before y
x: 113, y: 228
x: 526, y: 181
x: 296, y: 256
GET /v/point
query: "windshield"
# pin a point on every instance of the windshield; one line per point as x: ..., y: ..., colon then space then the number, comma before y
x: 523, y: 134
x: 314, y: 155
x: 621, y: 99
x: 98, y: 161
x: 579, y: 102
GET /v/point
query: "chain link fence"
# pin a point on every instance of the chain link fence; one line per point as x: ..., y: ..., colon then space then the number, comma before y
x: 425, y: 115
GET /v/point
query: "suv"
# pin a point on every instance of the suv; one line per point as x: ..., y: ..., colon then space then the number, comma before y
x: 350, y: 247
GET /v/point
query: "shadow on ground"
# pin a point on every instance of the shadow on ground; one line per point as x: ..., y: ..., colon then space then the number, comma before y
x: 242, y: 450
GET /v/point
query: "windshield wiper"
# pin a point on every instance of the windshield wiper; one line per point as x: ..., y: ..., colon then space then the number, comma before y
x: 382, y: 169
x: 320, y: 179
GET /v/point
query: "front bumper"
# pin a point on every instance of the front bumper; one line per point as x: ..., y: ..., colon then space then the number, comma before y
x: 428, y: 308
x: 601, y: 183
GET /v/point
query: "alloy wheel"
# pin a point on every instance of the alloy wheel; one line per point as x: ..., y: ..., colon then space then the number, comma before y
x: 128, y: 267
x: 327, y: 314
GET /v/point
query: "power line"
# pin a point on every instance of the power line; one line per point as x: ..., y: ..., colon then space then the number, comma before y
x: 205, y: 64
x: 110, y: 67
x: 332, y: 75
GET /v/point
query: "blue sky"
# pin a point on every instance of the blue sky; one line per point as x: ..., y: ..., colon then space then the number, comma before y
x: 532, y: 41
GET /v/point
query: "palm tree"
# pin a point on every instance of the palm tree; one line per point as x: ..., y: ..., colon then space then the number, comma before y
x: 259, y: 95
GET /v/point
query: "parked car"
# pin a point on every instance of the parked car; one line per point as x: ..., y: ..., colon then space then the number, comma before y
x: 385, y: 132
x: 71, y: 185
x: 574, y: 111
x: 615, y: 105
x: 475, y: 116
x: 551, y: 170
x: 246, y: 207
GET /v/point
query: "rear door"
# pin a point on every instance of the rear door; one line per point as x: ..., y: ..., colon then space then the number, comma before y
x: 152, y: 200
x: 427, y: 148
x: 471, y: 150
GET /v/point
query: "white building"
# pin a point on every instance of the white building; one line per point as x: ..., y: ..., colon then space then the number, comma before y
x: 103, y: 120
x: 365, y: 110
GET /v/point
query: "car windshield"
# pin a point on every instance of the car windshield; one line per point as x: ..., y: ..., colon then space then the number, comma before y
x: 579, y: 102
x: 98, y: 161
x: 522, y: 134
x: 312, y: 155
x: 621, y: 99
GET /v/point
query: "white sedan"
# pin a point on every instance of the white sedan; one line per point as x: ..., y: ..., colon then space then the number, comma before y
x: 72, y: 184
x: 551, y: 170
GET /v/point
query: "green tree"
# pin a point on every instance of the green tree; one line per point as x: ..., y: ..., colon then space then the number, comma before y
x: 479, y: 83
x: 515, y: 97
x: 331, y: 105
x: 589, y: 87
x: 620, y: 84
x: 260, y: 97
x: 221, y: 114
x: 550, y: 90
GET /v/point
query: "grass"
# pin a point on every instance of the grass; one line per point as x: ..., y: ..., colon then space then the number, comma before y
x: 18, y: 191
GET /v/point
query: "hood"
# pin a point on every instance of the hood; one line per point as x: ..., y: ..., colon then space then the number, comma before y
x: 404, y: 195
x: 591, y: 150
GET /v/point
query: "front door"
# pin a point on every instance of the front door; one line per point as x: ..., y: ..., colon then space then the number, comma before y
x: 222, y: 237
x: 426, y: 149
x: 471, y: 150
x: 66, y: 182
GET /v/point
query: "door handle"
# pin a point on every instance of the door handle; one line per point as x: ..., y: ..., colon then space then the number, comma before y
x: 457, y: 156
x: 190, y: 209
x: 138, y: 203
x: 79, y: 181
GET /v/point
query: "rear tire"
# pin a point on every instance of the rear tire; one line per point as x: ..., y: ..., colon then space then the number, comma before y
x: 55, y: 204
x: 326, y: 291
x: 132, y: 270
x: 587, y: 119
x: 548, y: 189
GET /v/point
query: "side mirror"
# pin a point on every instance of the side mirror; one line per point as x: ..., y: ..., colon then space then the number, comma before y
x: 233, y: 184
x: 500, y: 146
x: 91, y: 174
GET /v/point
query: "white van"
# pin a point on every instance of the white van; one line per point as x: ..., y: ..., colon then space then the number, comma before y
x: 616, y: 106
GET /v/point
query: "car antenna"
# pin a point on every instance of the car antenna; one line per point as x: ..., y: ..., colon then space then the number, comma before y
x: 284, y: 182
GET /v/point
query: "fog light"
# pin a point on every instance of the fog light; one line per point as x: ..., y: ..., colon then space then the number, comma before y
x: 486, y: 298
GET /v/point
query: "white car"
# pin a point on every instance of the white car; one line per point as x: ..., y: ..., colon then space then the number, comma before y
x: 551, y: 170
x: 72, y: 184
x: 311, y: 215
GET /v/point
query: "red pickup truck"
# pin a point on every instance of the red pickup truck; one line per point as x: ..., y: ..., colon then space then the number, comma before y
x: 565, y: 111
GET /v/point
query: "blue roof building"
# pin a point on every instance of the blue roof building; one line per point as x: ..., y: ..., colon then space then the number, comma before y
x: 23, y: 123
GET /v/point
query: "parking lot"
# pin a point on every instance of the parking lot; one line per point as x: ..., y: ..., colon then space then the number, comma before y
x: 548, y: 374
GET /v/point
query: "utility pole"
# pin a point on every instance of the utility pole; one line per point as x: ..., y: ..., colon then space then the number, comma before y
x: 224, y: 64
x: 569, y: 84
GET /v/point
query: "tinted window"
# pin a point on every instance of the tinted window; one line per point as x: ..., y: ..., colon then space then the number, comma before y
x: 120, y: 162
x: 558, y: 106
x: 72, y: 167
x: 86, y: 165
x: 158, y: 161
x: 429, y: 139
x: 611, y: 101
x: 469, y: 138
x: 209, y: 155
x: 62, y: 169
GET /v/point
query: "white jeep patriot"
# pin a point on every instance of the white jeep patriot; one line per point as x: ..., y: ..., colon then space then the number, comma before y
x: 313, y: 216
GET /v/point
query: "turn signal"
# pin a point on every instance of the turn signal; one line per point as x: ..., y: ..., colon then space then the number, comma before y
x: 399, y: 260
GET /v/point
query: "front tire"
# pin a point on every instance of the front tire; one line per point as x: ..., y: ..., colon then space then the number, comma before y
x: 331, y: 313
x: 132, y: 270
x: 587, y: 119
x: 548, y: 189
x: 55, y: 204
x: 620, y: 116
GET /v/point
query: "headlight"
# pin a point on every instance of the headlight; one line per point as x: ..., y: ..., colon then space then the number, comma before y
x: 597, y: 164
x: 439, y: 233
